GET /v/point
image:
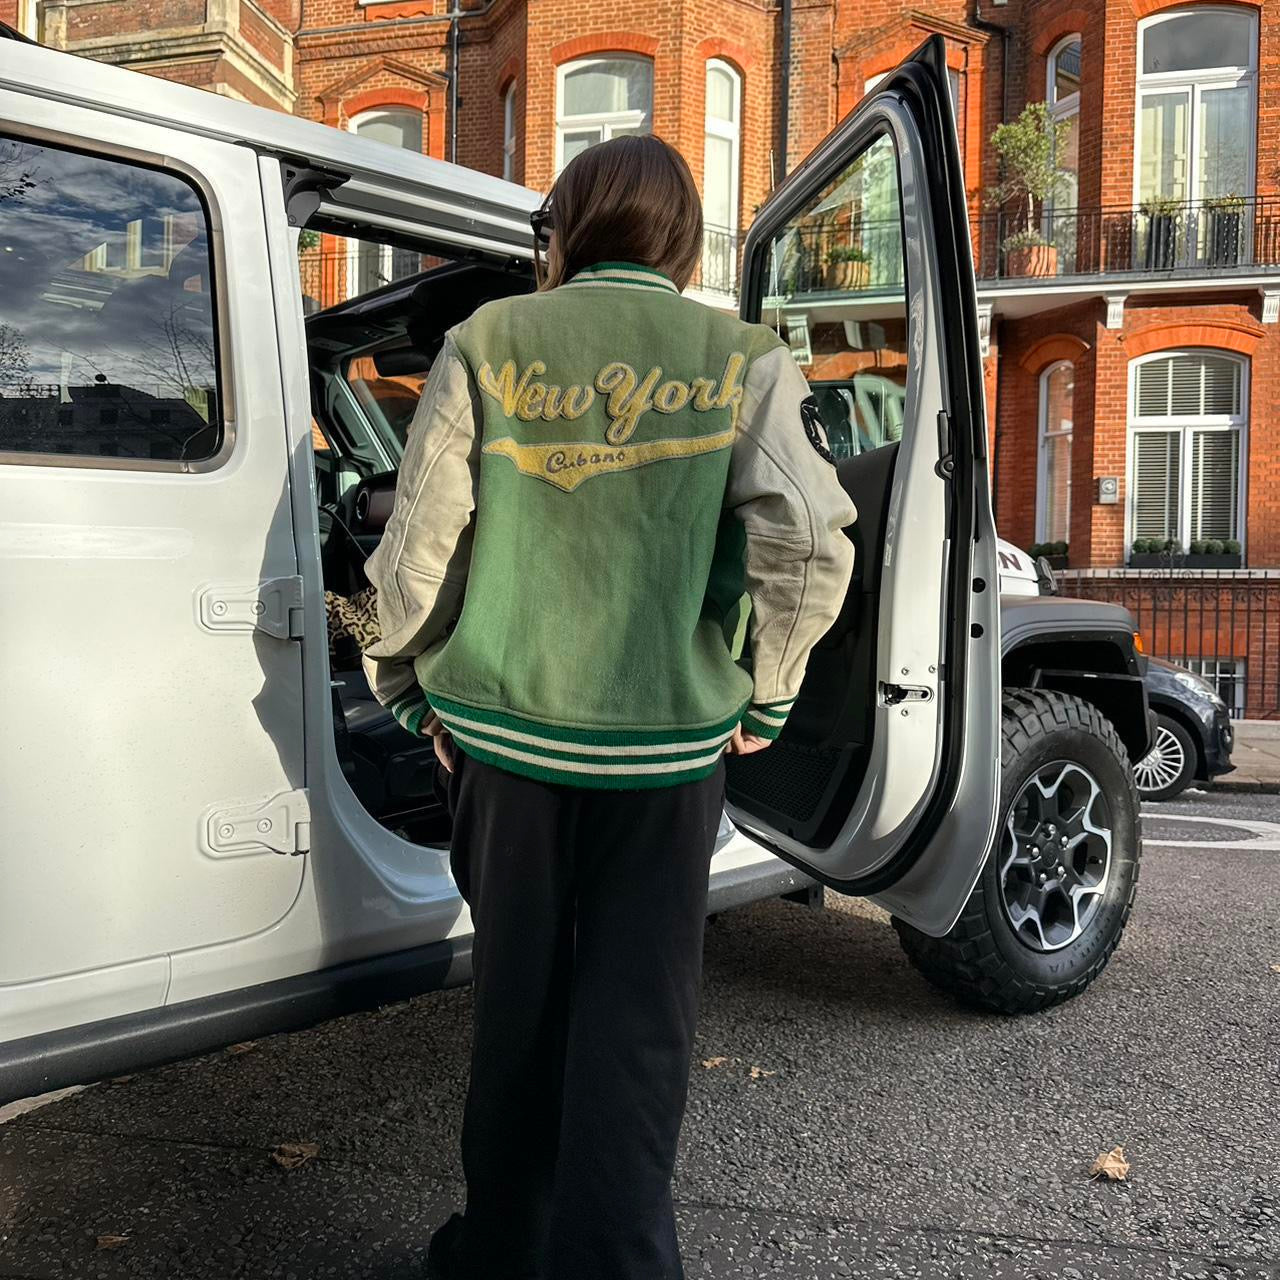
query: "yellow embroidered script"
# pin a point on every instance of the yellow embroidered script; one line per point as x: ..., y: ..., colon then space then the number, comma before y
x: 628, y: 397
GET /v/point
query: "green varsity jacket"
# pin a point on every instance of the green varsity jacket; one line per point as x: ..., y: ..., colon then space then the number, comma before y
x: 596, y: 479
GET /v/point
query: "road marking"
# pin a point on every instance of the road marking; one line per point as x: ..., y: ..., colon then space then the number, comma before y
x: 1266, y: 834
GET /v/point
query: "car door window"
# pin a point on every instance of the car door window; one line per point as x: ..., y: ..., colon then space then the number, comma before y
x: 837, y: 281
x: 107, y: 334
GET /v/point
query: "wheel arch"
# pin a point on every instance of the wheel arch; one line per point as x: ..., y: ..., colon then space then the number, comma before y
x: 1081, y: 647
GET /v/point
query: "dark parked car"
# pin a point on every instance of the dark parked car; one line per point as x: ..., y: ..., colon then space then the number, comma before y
x: 1193, y: 735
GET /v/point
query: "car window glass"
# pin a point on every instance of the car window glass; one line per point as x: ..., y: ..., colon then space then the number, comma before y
x: 107, y: 336
x: 836, y: 294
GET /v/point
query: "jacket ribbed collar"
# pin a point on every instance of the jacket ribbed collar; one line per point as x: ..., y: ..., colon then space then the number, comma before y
x: 620, y: 275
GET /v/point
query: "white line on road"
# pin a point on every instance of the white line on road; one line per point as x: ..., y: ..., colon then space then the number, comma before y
x: 1266, y: 834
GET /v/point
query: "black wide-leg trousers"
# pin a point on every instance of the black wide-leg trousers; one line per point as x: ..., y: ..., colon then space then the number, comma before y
x: 589, y: 908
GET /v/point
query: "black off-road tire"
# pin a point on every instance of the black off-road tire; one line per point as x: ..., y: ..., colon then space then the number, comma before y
x: 984, y: 961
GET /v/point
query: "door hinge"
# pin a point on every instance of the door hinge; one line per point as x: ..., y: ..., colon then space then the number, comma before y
x: 279, y: 825
x: 273, y: 606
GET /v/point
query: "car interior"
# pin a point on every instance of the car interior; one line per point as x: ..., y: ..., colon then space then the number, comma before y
x: 369, y: 357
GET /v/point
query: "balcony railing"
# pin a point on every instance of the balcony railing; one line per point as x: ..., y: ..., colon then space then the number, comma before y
x: 1192, y: 238
x: 717, y: 272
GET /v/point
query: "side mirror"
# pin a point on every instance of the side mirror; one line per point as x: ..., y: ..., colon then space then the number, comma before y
x: 1045, y: 576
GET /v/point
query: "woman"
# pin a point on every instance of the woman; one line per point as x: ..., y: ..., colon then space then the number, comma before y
x: 605, y: 467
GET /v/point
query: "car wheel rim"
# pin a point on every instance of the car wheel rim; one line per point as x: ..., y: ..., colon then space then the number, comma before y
x: 1162, y: 766
x: 1055, y: 856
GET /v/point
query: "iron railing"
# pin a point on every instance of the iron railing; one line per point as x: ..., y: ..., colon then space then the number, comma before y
x: 717, y: 270
x: 1223, y: 624
x: 1206, y: 237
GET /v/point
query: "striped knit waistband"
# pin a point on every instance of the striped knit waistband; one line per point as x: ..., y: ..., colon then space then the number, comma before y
x: 622, y: 759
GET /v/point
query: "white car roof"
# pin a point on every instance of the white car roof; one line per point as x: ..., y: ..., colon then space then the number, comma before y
x: 498, y: 210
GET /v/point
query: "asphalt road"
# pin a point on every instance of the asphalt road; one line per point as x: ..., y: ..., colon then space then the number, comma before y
x: 896, y: 1135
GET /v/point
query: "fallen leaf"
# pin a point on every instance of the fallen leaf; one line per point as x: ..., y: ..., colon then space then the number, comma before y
x: 119, y: 1080
x: 1111, y: 1165
x: 759, y: 1073
x: 709, y: 1063
x: 112, y: 1242
x: 245, y: 1046
x: 292, y: 1155
x: 1275, y: 968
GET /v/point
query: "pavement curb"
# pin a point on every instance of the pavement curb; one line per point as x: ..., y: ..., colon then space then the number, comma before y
x: 1244, y: 787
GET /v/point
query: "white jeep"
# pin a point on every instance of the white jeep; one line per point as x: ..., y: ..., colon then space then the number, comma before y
x: 208, y: 830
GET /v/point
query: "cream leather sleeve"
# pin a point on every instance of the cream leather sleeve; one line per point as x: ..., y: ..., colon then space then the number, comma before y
x: 420, y: 566
x: 798, y: 562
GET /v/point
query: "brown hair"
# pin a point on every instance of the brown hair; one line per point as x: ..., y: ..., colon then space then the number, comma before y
x: 630, y: 199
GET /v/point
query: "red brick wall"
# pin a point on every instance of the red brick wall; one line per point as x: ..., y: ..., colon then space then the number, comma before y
x: 9, y: 12
x: 1100, y: 441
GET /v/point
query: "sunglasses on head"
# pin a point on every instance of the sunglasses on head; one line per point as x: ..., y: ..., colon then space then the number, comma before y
x: 542, y: 223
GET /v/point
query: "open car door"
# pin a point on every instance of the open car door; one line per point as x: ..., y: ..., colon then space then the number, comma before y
x: 885, y: 781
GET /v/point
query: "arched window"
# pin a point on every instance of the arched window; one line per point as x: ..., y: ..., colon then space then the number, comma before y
x: 1057, y: 421
x: 509, y: 133
x: 1188, y: 422
x: 722, y: 161
x: 1197, y: 109
x: 600, y: 98
x: 372, y: 265
x: 1063, y: 94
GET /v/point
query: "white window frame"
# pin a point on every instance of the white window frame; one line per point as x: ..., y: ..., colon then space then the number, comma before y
x: 1042, y: 459
x: 353, y: 246
x: 29, y: 18
x: 1196, y: 83
x: 509, y: 133
x: 1187, y: 425
x: 730, y: 131
x: 605, y: 121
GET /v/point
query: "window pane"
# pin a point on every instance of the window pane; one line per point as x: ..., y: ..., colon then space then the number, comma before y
x: 1163, y: 145
x: 1066, y: 71
x: 397, y: 128
x: 717, y: 186
x: 1225, y: 134
x: 1221, y: 385
x: 848, y: 243
x: 598, y: 88
x: 1155, y: 484
x: 579, y: 140
x: 1215, y: 476
x: 1058, y: 392
x: 106, y: 311
x: 1198, y: 39
x: 1188, y: 386
x: 722, y: 98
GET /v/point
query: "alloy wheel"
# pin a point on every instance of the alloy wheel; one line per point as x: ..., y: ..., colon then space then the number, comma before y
x: 1162, y: 766
x: 1055, y: 855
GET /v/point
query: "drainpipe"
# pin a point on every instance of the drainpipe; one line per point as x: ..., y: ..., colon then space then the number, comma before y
x: 455, y: 39
x: 785, y: 108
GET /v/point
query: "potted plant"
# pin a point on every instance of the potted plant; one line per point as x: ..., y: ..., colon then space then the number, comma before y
x: 1160, y: 231
x: 1214, y: 553
x: 1030, y: 180
x: 1224, y: 230
x: 1054, y: 552
x: 1155, y: 553
x: 1028, y: 253
x: 848, y: 267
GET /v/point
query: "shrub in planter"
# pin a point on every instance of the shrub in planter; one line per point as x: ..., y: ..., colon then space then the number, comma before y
x: 1027, y: 148
x: 1231, y: 547
x: 1161, y: 215
x: 1029, y: 254
x: 848, y: 267
x: 1224, y: 230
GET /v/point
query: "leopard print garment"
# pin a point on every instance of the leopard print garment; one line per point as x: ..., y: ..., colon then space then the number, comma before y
x: 353, y: 623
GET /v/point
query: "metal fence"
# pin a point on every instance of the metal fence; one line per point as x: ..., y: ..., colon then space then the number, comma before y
x: 1197, y: 236
x: 1222, y: 624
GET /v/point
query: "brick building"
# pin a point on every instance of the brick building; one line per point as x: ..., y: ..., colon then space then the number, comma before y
x: 1133, y: 357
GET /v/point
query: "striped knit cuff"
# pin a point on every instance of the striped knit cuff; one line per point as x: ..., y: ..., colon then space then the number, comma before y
x: 410, y: 709
x: 765, y: 719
